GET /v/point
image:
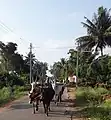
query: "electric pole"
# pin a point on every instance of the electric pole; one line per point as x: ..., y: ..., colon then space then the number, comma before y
x: 30, y: 63
x: 77, y: 65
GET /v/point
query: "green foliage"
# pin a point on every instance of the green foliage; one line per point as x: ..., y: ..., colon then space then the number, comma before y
x: 96, y: 109
x: 5, y: 94
x: 98, y: 113
x: 106, y: 104
x: 91, y: 95
x: 11, y: 79
x: 14, y: 70
x: 91, y: 67
x: 19, y: 91
x: 98, y: 31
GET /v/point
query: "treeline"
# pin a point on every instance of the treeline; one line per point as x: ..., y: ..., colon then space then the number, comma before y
x: 93, y: 65
x: 15, y: 68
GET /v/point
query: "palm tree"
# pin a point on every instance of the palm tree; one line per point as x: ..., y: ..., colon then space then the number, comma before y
x: 98, y: 31
x: 72, y: 60
x: 63, y: 65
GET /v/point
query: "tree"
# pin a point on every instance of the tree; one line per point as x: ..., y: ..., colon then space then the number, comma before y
x: 63, y: 65
x: 56, y: 70
x: 14, y: 69
x: 27, y: 59
x: 72, y: 61
x: 98, y: 31
x: 17, y: 62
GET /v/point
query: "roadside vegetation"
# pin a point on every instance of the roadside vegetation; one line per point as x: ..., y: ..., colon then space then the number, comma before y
x: 6, y: 95
x: 14, y: 72
x: 93, y: 94
x: 95, y: 103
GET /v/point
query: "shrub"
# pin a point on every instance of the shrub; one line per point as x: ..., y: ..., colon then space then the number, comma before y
x: 18, y: 91
x: 93, y: 96
x: 96, y: 109
x: 4, y: 95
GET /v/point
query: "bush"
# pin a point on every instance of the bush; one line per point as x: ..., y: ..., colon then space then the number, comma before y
x: 98, y: 113
x: 18, y: 91
x: 93, y: 96
x: 4, y: 95
x: 106, y: 104
x: 19, y: 88
x: 97, y: 109
x: 103, y: 112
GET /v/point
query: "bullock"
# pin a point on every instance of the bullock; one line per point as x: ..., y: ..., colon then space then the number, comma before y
x: 45, y: 94
x: 59, y: 89
x: 35, y: 95
x: 59, y: 99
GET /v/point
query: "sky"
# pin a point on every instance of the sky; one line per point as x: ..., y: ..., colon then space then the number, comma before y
x: 48, y: 24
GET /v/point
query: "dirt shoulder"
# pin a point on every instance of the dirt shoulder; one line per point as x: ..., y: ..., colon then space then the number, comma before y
x: 74, y: 110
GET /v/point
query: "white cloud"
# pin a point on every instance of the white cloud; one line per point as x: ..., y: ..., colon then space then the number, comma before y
x: 56, y: 44
x: 52, y: 50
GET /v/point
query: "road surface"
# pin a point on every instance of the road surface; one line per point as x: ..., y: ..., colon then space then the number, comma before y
x: 22, y: 110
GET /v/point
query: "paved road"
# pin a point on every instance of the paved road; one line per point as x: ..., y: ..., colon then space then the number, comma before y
x: 22, y: 110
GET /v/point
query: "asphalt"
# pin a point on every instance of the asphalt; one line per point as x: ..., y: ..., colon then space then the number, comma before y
x: 22, y: 110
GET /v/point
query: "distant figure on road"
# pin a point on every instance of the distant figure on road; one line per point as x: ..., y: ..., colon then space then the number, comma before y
x: 72, y: 79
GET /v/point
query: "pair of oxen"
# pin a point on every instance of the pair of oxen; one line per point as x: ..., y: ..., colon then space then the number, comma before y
x: 45, y: 93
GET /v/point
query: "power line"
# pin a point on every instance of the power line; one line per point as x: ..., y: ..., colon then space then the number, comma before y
x: 30, y: 63
x: 71, y: 47
x: 4, y: 26
x: 8, y: 29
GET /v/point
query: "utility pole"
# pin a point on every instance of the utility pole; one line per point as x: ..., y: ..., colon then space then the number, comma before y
x: 67, y: 73
x: 77, y: 65
x: 42, y: 77
x: 30, y: 63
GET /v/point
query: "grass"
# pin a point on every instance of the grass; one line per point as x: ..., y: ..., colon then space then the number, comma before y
x: 5, y: 94
x: 90, y: 99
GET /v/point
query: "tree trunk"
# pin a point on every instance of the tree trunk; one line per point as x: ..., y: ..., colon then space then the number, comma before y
x: 101, y: 51
x: 64, y: 74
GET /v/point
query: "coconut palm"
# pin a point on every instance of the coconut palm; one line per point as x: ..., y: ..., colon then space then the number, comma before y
x: 98, y: 31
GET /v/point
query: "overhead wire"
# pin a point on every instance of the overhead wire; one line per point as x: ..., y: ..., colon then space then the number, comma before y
x: 5, y: 27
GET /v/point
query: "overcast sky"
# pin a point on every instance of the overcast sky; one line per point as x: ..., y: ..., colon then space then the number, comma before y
x: 48, y: 24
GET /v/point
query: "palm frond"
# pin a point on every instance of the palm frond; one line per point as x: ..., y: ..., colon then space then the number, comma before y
x: 90, y: 23
x: 90, y: 29
x: 86, y: 42
x: 108, y: 39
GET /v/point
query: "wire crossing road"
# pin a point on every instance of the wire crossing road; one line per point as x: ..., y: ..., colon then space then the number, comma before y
x: 22, y: 110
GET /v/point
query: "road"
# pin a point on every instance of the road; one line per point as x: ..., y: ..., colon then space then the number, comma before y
x: 22, y: 110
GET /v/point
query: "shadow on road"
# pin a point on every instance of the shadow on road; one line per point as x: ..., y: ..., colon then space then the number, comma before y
x: 66, y: 104
x: 56, y: 111
x: 21, y: 106
x: 75, y: 114
x: 56, y: 114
